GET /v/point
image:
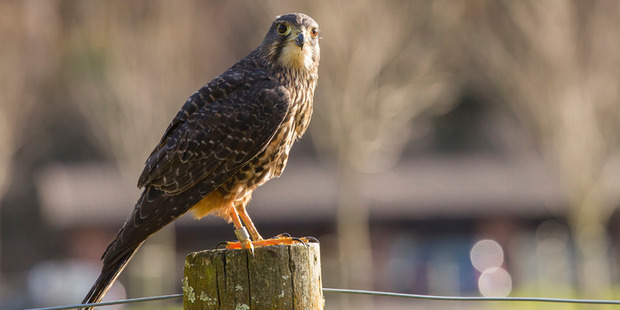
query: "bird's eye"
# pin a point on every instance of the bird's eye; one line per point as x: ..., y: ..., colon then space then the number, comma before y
x: 314, y: 32
x: 283, y: 29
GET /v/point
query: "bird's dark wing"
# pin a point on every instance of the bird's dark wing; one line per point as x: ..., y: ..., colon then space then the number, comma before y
x: 217, y: 89
x: 227, y: 132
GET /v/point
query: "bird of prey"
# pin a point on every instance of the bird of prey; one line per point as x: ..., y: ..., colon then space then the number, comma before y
x: 231, y: 136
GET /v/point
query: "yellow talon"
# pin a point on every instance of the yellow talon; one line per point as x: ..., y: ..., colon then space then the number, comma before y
x: 265, y: 242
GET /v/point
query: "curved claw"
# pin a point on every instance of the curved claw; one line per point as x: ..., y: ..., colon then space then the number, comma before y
x: 247, y: 245
x: 282, y: 235
x: 221, y: 245
x: 311, y: 239
x: 300, y: 240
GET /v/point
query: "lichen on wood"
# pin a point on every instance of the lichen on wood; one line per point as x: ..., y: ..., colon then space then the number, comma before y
x: 275, y: 277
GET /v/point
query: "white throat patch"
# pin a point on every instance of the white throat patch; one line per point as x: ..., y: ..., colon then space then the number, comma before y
x: 295, y: 57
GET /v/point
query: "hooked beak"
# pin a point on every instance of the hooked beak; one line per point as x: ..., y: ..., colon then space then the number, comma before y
x: 300, y: 40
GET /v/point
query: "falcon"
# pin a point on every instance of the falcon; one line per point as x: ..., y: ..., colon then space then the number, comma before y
x: 231, y: 136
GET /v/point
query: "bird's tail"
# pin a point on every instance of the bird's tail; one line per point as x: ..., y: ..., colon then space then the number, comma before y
x: 107, y: 278
x: 150, y: 214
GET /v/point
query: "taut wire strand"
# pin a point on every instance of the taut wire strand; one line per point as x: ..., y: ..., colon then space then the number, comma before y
x: 473, y: 298
x: 116, y: 302
x: 370, y: 293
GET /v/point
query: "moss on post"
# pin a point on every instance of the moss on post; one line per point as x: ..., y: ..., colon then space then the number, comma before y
x: 276, y: 277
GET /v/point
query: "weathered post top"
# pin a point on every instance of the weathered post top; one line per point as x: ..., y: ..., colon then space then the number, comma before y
x: 276, y: 277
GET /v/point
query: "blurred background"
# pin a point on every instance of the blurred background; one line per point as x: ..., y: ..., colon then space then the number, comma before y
x: 457, y: 147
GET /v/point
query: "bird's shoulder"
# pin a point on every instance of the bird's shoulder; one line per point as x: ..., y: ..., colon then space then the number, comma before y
x: 243, y: 75
x: 245, y: 104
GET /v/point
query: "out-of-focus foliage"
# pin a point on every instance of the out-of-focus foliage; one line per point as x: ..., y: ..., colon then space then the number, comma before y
x: 26, y: 65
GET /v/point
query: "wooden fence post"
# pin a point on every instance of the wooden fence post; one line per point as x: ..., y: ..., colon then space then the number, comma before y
x: 276, y: 277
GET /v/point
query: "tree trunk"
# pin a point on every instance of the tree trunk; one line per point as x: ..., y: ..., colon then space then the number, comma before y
x: 592, y: 242
x: 354, y: 237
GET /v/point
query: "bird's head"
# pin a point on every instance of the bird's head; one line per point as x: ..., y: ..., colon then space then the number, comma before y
x: 293, y: 42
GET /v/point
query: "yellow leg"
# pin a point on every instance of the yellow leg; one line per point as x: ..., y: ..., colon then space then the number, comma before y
x: 238, y: 213
x: 245, y: 217
x: 240, y: 231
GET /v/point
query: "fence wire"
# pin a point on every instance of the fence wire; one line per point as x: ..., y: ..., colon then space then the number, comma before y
x: 465, y: 298
x: 116, y: 302
x: 369, y: 293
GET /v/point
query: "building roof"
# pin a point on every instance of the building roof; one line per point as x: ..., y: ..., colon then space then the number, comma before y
x: 419, y: 188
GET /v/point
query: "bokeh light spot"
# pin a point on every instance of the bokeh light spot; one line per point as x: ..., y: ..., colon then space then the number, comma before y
x: 486, y: 254
x: 495, y: 282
